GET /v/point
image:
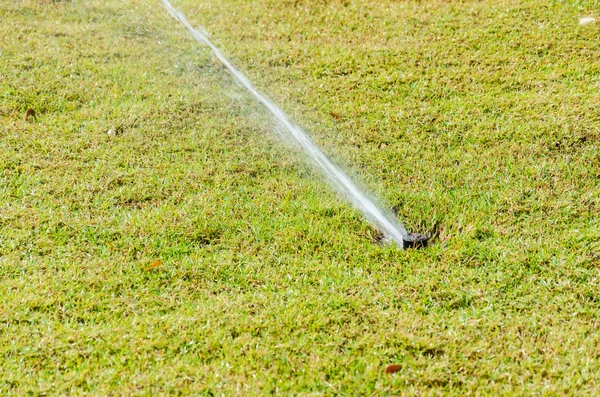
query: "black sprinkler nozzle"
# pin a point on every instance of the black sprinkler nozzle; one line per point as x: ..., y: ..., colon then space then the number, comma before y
x: 414, y: 240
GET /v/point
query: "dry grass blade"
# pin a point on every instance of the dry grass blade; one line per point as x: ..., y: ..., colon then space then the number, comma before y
x: 154, y: 264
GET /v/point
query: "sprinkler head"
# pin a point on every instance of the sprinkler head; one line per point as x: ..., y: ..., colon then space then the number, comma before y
x: 414, y: 240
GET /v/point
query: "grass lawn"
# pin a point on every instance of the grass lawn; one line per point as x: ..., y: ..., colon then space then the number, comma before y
x: 478, y: 122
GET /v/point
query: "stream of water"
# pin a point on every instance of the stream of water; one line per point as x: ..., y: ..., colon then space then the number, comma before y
x: 385, y: 222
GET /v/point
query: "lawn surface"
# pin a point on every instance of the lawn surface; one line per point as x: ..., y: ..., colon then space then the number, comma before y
x: 476, y: 121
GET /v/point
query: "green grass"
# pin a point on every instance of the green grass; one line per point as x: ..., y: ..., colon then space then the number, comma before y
x: 476, y: 121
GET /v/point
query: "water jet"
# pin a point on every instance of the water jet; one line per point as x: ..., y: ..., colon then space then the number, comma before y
x: 338, y: 179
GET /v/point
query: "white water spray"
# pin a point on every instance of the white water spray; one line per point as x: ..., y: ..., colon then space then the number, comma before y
x: 391, y: 227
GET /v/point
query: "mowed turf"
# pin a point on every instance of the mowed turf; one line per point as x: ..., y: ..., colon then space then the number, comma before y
x: 476, y: 121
